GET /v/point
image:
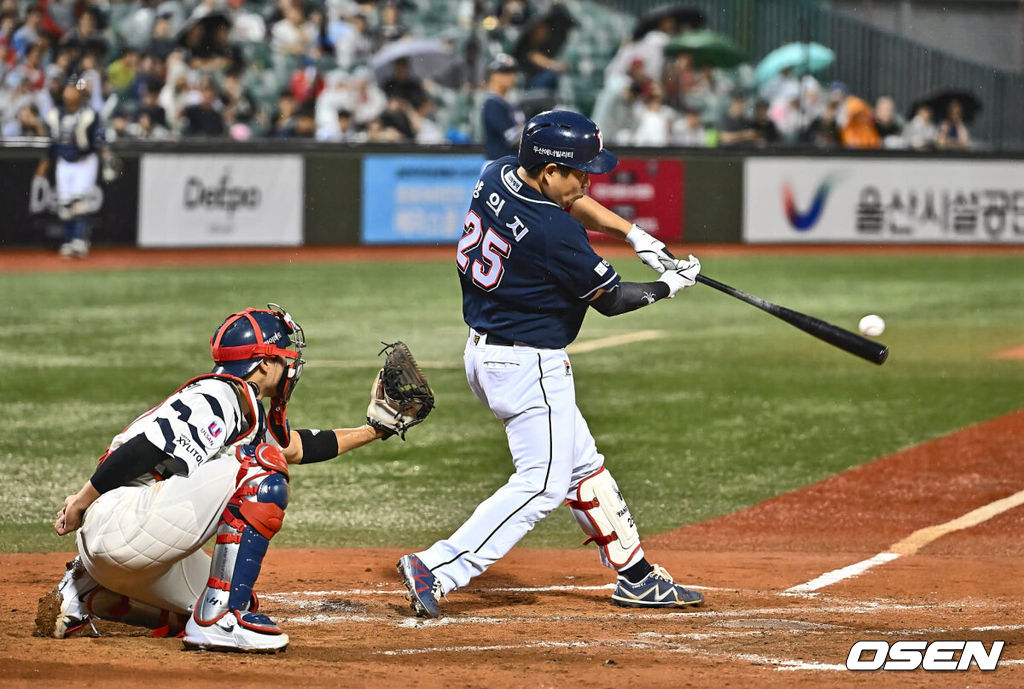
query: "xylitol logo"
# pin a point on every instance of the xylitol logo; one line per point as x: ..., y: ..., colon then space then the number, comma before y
x: 802, y: 222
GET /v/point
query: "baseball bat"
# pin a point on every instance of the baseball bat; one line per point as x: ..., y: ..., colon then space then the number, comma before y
x: 853, y: 343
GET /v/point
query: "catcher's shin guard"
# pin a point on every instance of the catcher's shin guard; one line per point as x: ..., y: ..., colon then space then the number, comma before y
x: 603, y: 515
x: 223, y: 618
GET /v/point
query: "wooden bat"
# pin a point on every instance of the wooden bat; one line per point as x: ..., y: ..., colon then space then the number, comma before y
x: 853, y: 343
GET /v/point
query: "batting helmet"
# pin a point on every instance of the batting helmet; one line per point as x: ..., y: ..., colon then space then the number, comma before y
x: 567, y: 138
x: 248, y: 337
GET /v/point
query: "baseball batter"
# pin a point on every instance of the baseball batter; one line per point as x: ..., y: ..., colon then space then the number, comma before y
x: 528, y: 276
x: 76, y: 136
x: 207, y: 461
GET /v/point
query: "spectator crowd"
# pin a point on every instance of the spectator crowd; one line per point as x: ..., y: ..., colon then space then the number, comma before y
x: 347, y: 71
x: 231, y: 69
x: 650, y: 99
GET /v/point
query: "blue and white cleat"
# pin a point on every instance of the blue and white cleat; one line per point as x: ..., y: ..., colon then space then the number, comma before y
x: 656, y: 590
x: 423, y: 587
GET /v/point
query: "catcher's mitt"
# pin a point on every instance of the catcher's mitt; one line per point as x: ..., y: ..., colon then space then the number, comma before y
x: 400, y: 397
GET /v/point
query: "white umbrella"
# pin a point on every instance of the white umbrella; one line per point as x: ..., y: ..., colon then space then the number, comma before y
x: 428, y: 58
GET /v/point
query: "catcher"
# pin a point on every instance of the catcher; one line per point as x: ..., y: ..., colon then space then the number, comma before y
x: 207, y: 461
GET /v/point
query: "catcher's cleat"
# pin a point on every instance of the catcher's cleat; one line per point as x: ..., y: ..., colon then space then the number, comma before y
x: 64, y: 611
x: 423, y: 587
x: 235, y: 631
x: 656, y: 590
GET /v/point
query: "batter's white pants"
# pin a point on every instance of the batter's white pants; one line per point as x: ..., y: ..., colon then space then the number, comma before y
x: 531, y: 391
x: 145, y: 542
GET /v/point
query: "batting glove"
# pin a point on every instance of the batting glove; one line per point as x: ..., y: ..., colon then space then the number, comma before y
x: 650, y: 251
x: 684, y: 275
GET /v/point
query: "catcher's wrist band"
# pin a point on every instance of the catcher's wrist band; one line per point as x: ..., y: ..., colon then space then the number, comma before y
x: 318, y: 446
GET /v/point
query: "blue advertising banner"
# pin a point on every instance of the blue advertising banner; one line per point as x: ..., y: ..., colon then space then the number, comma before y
x: 417, y: 199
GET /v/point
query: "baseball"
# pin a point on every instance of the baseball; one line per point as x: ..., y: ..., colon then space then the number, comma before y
x: 872, y: 325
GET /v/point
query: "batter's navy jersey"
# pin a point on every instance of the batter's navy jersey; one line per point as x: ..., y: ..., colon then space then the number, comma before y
x: 526, y: 266
x: 502, y: 124
x: 73, y: 135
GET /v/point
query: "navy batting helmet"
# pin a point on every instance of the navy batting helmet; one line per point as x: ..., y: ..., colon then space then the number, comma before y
x: 567, y: 138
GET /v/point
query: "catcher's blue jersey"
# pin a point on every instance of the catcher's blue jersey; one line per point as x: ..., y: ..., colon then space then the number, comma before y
x: 526, y: 266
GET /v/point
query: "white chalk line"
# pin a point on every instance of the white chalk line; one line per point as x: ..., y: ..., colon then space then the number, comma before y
x: 420, y: 623
x: 497, y: 589
x: 396, y: 592
x: 912, y: 543
x: 829, y: 578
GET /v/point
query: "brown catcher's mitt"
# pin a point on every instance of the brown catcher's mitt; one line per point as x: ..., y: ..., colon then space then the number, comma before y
x: 400, y: 397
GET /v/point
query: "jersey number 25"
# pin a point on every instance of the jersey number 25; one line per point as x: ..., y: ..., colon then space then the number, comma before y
x: 487, y: 270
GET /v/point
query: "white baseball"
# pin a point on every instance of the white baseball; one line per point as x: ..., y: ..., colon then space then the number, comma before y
x: 872, y: 325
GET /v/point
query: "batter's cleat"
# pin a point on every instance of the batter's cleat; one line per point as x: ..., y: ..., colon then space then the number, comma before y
x: 235, y: 632
x: 64, y: 611
x: 656, y: 590
x: 423, y: 587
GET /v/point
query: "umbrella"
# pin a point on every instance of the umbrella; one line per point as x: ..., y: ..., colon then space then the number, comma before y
x: 650, y: 20
x: 940, y: 100
x: 803, y: 58
x: 557, y: 22
x: 707, y: 48
x: 209, y: 21
x: 428, y: 58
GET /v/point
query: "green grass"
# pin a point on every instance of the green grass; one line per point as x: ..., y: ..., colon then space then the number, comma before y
x: 729, y: 408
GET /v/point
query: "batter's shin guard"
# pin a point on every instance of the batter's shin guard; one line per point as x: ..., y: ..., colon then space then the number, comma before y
x: 223, y: 618
x: 600, y: 510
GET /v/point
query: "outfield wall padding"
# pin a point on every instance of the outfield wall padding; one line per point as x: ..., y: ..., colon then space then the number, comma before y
x: 333, y: 210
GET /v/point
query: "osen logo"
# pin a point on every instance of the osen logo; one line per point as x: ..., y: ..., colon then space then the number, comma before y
x: 221, y: 196
x: 935, y: 655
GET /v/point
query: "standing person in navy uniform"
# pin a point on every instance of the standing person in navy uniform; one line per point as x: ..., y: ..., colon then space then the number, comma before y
x: 528, y: 276
x: 76, y: 137
x: 502, y: 120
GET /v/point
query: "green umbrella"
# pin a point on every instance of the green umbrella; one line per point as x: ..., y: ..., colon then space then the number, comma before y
x: 707, y: 48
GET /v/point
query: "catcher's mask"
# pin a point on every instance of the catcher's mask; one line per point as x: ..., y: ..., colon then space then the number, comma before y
x: 248, y: 337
